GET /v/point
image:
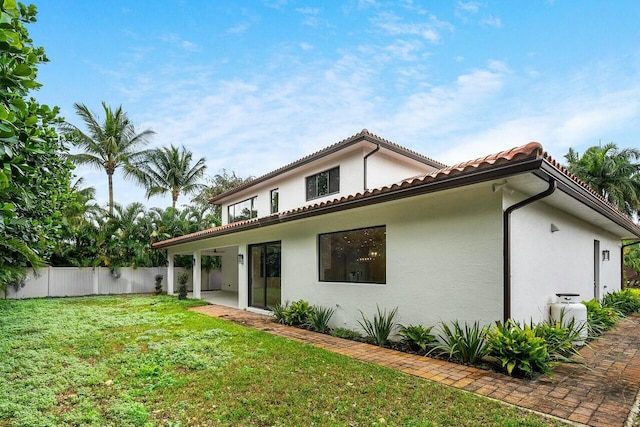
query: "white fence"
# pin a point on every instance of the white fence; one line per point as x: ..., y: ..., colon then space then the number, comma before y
x: 76, y: 281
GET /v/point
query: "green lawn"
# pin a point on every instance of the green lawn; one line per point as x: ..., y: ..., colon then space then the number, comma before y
x: 137, y: 361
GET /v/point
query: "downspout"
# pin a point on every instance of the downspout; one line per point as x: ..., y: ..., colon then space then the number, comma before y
x: 375, y: 150
x: 506, y: 247
x: 622, y: 261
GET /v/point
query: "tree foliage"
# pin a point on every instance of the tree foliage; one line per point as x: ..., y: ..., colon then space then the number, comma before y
x: 631, y: 255
x: 108, y: 143
x: 216, y: 185
x: 34, y: 175
x: 96, y: 239
x: 169, y: 170
x: 612, y: 172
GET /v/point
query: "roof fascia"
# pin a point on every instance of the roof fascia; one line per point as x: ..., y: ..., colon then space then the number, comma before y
x: 586, y: 197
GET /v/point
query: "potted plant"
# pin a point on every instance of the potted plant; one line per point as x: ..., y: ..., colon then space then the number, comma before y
x: 158, y: 285
x: 183, y: 278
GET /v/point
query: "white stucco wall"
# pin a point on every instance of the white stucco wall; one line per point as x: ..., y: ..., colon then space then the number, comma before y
x: 545, y: 263
x: 443, y: 259
x: 381, y: 170
x: 384, y: 170
x: 229, y: 269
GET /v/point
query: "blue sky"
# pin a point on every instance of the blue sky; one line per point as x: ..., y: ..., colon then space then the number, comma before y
x: 253, y: 85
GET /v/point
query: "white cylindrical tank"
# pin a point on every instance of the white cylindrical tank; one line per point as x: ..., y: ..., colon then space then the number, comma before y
x: 567, y: 308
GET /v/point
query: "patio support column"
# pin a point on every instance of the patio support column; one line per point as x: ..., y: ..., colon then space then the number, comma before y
x: 197, y: 274
x: 243, y: 278
x: 170, y: 273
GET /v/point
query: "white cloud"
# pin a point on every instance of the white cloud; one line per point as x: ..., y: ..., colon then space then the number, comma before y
x: 177, y: 41
x: 404, y: 50
x: 571, y: 118
x: 238, y: 28
x: 189, y: 46
x: 394, y: 25
x: 312, y: 18
x: 448, y: 108
x: 275, y: 4
x: 366, y: 4
x: 491, y: 21
x: 308, y: 11
x: 305, y: 46
x: 470, y: 7
x: 410, y: 5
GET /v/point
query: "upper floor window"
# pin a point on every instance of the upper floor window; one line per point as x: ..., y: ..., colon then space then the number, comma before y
x: 274, y: 200
x: 242, y: 210
x: 323, y: 183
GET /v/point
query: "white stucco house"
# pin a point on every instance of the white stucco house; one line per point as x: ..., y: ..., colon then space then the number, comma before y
x: 366, y: 222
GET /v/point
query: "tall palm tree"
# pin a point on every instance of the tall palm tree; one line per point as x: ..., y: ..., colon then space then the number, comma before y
x: 108, y: 144
x: 612, y: 172
x: 169, y: 170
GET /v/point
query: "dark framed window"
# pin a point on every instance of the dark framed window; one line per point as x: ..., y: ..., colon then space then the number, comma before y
x: 323, y: 183
x: 274, y: 200
x: 242, y: 210
x: 354, y: 256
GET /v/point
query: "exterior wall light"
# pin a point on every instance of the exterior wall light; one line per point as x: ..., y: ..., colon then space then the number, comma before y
x: 240, y: 259
x: 606, y: 255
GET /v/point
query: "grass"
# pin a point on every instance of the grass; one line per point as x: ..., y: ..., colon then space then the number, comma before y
x: 145, y: 361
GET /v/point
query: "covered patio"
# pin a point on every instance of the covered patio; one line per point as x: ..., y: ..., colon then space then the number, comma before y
x: 224, y: 298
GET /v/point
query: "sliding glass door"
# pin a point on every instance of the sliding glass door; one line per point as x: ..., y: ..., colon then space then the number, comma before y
x: 264, y: 275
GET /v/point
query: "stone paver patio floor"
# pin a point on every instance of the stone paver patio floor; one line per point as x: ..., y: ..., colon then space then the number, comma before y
x: 600, y: 393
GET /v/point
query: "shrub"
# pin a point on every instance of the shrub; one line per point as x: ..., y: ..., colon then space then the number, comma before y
x: 417, y: 336
x: 466, y: 345
x: 158, y: 278
x: 297, y: 313
x: 599, y: 318
x: 381, y: 327
x: 279, y: 311
x: 560, y: 336
x: 183, y: 278
x: 625, y: 301
x: 559, y: 339
x: 320, y: 317
x: 346, y: 334
x: 519, y: 350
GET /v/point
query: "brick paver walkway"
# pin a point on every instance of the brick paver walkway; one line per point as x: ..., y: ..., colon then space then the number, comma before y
x: 600, y: 394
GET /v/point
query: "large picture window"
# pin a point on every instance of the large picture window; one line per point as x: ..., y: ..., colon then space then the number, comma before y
x: 242, y: 210
x: 354, y: 256
x: 323, y: 183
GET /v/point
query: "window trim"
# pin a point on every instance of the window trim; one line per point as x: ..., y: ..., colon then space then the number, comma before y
x: 252, y: 209
x: 315, y: 175
x: 319, y: 254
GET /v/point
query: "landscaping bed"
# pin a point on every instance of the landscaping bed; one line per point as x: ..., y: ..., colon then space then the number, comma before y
x: 522, y: 350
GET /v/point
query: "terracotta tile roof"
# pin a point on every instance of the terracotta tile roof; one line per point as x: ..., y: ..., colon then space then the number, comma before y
x: 532, y: 151
x: 363, y: 135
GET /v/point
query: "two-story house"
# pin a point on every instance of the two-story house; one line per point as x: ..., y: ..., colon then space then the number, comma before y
x: 366, y: 222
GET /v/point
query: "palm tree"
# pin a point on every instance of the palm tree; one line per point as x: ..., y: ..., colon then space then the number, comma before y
x: 612, y: 172
x: 108, y: 144
x: 168, y: 170
x: 216, y: 185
